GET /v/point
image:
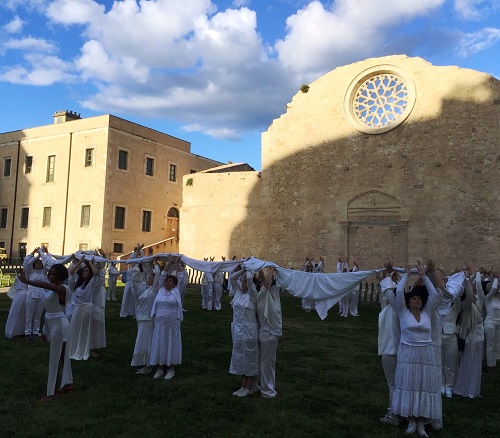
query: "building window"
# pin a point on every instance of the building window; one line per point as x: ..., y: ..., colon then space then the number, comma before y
x: 193, y: 171
x: 119, y: 218
x: 47, y: 216
x: 25, y: 212
x: 89, y: 157
x: 83, y: 247
x: 23, y: 247
x: 28, y: 164
x: 51, y: 167
x: 7, y: 166
x: 146, y: 221
x: 149, y: 166
x: 3, y: 217
x: 118, y: 248
x: 122, y: 159
x: 85, y: 216
x: 172, y: 173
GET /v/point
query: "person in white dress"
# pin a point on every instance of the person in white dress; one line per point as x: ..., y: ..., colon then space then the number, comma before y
x: 142, y: 348
x: 166, y: 344
x: 270, y: 330
x: 113, y: 274
x: 491, y: 320
x: 471, y: 330
x: 34, y: 270
x: 16, y: 320
x: 389, y: 333
x: 354, y: 294
x: 55, y: 319
x: 308, y: 266
x: 244, y: 331
x: 417, y: 395
x: 80, y: 328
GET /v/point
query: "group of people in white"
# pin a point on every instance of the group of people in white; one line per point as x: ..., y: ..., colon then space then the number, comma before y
x: 431, y: 339
x: 418, y: 329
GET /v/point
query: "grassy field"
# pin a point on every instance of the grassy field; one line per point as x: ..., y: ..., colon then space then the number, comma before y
x: 329, y: 379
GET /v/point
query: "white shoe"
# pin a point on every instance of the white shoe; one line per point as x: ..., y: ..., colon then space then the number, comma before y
x: 443, y: 390
x: 449, y: 393
x: 390, y: 419
x: 244, y: 393
x: 237, y: 392
x: 159, y: 374
x: 421, y: 430
x: 412, y: 427
x: 144, y: 370
x: 170, y: 375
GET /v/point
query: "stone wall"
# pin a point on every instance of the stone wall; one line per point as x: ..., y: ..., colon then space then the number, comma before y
x: 426, y: 188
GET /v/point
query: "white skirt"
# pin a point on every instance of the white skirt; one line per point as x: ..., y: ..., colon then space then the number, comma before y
x: 16, y: 320
x: 98, y: 328
x: 166, y: 345
x: 417, y: 388
x: 142, y: 349
x: 468, y: 380
x: 80, y: 332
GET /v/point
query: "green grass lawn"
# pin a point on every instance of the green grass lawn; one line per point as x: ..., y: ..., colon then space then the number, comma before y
x: 329, y: 379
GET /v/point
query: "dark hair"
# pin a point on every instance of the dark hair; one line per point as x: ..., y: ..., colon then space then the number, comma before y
x: 174, y: 279
x: 83, y: 281
x: 60, y: 271
x: 421, y: 291
x: 37, y: 259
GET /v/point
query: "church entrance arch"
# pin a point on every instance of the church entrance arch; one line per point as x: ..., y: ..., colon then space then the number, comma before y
x: 375, y: 230
x: 172, y: 229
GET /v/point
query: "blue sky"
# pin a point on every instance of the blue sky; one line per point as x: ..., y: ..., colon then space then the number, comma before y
x: 215, y: 73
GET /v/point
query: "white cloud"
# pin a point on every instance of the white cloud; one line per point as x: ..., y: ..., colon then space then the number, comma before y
x: 15, y: 25
x: 319, y: 39
x: 222, y: 134
x: 209, y: 69
x: 44, y: 70
x: 472, y: 9
x: 29, y: 44
x: 474, y: 42
x: 74, y: 11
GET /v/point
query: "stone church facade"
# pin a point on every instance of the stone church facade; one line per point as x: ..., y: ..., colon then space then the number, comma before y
x: 386, y: 159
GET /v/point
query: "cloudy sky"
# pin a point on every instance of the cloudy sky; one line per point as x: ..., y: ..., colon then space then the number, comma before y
x: 215, y: 73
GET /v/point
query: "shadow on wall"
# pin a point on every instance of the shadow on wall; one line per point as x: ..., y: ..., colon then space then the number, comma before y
x: 444, y: 172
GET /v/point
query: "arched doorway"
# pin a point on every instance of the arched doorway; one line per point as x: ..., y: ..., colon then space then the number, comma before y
x: 375, y: 230
x: 172, y: 229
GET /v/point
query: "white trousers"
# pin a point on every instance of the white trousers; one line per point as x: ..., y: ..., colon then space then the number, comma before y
x: 34, y: 308
x: 217, y: 295
x: 204, y: 295
x: 492, y: 338
x: 58, y: 329
x: 389, y: 362
x: 353, y: 302
x: 449, y: 355
x: 268, y: 345
x: 111, y: 295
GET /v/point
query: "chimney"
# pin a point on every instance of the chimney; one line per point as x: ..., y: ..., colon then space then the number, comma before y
x: 65, y: 116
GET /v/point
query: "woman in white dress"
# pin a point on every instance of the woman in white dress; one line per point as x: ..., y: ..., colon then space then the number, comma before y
x: 417, y: 394
x: 166, y: 344
x: 34, y: 270
x: 16, y: 321
x: 54, y: 300
x: 492, y: 323
x: 469, y: 374
x: 244, y: 330
x: 142, y: 348
x: 80, y: 329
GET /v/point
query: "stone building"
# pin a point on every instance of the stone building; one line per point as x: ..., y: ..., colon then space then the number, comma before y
x: 386, y: 159
x: 97, y: 182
